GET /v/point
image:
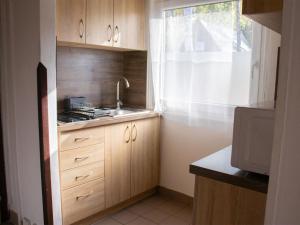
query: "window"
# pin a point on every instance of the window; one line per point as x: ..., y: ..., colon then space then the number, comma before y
x: 202, y: 62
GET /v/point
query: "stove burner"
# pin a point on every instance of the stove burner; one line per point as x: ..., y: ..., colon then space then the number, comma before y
x: 82, y: 114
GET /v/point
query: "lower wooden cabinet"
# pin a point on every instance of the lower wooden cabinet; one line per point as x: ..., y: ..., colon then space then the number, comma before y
x: 83, y: 201
x: 117, y: 163
x: 109, y: 165
x: 144, y: 155
x: 82, y: 175
x: 217, y: 203
x: 131, y: 159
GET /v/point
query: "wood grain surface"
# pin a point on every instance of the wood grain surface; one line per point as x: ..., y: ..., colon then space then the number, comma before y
x: 95, y: 73
x: 135, y: 70
x: 218, y: 203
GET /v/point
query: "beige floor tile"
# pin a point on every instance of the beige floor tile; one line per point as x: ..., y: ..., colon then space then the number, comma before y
x: 172, y: 207
x: 172, y: 220
x: 154, y: 201
x: 140, y: 208
x: 124, y: 216
x: 185, y: 214
x: 107, y: 221
x: 141, y: 221
x: 156, y: 215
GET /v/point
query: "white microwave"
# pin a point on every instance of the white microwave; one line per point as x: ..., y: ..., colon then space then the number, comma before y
x: 253, y: 138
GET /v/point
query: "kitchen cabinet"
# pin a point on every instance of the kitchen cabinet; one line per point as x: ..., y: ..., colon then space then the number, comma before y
x: 113, y: 24
x: 243, y: 206
x: 225, y: 194
x: 104, y: 166
x: 81, y: 160
x: 129, y: 24
x: 144, y: 155
x: 117, y: 163
x: 70, y: 20
x: 265, y: 12
x: 100, y: 22
x: 132, y: 159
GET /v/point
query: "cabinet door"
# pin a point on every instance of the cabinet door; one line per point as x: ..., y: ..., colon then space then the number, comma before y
x: 70, y: 19
x: 129, y: 24
x: 99, y: 28
x: 144, y: 155
x: 117, y: 163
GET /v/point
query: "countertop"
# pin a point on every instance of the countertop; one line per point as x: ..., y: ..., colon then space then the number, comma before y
x: 62, y: 127
x: 217, y: 166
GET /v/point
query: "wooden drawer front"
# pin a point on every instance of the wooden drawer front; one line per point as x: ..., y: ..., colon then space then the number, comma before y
x: 81, y: 156
x: 80, y: 138
x: 82, y: 201
x: 81, y: 175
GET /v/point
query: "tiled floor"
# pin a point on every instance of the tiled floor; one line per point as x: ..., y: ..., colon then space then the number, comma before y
x: 155, y: 210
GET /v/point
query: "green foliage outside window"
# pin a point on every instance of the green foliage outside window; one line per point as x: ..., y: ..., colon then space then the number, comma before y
x: 242, y: 25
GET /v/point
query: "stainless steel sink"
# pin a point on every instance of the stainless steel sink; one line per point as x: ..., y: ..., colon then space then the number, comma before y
x: 124, y: 112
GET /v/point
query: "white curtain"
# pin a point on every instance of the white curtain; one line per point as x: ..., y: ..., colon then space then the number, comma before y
x: 200, y: 64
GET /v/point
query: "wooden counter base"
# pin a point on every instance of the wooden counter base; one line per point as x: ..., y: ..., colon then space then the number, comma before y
x: 104, y: 168
x: 218, y: 203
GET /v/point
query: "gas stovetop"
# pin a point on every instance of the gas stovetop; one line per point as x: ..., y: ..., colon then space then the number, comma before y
x: 82, y: 114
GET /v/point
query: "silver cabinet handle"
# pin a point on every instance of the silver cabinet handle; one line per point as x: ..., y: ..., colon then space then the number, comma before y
x: 135, y: 136
x: 81, y: 28
x: 118, y: 34
x: 79, y: 197
x: 82, y: 177
x: 109, y: 33
x: 125, y: 132
x: 81, y: 139
x: 81, y: 158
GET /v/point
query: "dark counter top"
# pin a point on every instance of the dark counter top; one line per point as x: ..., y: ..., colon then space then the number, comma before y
x: 217, y: 166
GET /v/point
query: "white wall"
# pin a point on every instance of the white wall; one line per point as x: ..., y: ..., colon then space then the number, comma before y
x: 284, y: 187
x: 184, y: 143
x: 20, y: 116
x: 27, y: 37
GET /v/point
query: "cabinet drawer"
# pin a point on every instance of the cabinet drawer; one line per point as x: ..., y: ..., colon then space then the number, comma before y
x: 82, y: 201
x: 81, y: 175
x: 80, y: 138
x: 81, y: 156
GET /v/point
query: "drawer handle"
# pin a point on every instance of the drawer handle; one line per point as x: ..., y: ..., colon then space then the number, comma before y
x: 79, y: 197
x: 81, y: 139
x: 82, y: 177
x: 81, y: 158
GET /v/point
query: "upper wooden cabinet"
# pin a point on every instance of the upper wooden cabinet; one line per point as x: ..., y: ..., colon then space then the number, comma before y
x: 113, y: 23
x: 129, y: 24
x: 100, y: 22
x: 70, y: 20
x: 265, y: 12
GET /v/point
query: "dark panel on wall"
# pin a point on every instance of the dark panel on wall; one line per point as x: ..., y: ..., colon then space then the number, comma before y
x: 135, y: 69
x: 94, y: 73
x: 42, y: 88
x: 89, y: 73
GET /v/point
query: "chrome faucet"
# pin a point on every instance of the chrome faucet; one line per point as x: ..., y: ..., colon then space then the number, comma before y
x: 127, y: 85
